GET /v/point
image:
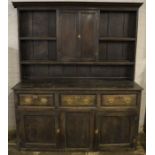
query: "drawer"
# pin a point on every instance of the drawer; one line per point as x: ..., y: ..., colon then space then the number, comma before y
x: 35, y: 100
x: 78, y: 100
x: 119, y: 100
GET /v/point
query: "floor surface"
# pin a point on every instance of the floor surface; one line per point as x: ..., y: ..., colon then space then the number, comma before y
x: 14, y: 151
x: 139, y: 151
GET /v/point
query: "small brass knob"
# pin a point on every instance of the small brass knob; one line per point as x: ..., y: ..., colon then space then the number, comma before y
x: 96, y: 131
x: 79, y: 36
x: 58, y: 131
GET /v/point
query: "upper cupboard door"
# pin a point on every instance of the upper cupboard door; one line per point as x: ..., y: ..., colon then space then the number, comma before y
x: 88, y: 34
x: 78, y: 35
x: 68, y: 31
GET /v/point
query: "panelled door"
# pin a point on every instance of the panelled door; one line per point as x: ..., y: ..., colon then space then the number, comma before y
x: 114, y: 129
x: 68, y: 35
x: 77, y: 128
x: 38, y: 129
x: 78, y: 35
x: 88, y: 35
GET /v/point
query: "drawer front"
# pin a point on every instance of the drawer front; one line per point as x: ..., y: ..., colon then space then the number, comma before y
x: 78, y: 100
x: 35, y: 100
x: 119, y: 100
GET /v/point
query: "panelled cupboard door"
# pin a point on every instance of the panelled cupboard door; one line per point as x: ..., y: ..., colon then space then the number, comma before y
x: 77, y: 128
x: 88, y: 35
x: 78, y: 35
x: 114, y: 130
x: 37, y: 129
x: 67, y: 35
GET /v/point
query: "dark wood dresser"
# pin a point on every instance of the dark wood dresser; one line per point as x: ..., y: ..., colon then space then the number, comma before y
x: 77, y: 63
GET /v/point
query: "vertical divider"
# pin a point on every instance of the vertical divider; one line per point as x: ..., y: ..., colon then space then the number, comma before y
x: 19, y: 46
x: 58, y: 33
x: 48, y: 42
x: 98, y: 100
x: 79, y: 32
x: 98, y: 34
x: 56, y: 98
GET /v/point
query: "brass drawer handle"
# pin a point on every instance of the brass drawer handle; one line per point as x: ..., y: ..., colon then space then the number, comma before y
x: 28, y: 100
x: 128, y: 100
x: 44, y: 100
x: 58, y: 131
x: 96, y: 131
x: 110, y: 100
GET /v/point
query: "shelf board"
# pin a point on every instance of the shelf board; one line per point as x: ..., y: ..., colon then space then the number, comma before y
x: 37, y: 38
x: 73, y: 77
x: 76, y: 63
x: 117, y: 39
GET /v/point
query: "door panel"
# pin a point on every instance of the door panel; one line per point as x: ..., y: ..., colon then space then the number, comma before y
x: 89, y: 38
x: 115, y: 129
x: 78, y: 128
x: 68, y: 30
x: 38, y: 129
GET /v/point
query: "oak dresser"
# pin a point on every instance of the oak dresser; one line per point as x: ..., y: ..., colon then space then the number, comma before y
x: 77, y: 67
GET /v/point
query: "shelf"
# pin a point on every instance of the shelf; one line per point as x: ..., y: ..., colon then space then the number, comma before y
x: 37, y: 38
x: 101, y: 38
x: 117, y: 39
x: 60, y: 77
x: 76, y: 63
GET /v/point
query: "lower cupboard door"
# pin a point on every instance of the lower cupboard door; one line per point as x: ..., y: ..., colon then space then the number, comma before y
x: 115, y: 130
x: 78, y: 130
x: 37, y: 130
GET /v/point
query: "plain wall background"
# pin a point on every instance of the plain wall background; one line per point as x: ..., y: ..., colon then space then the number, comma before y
x: 13, y: 56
